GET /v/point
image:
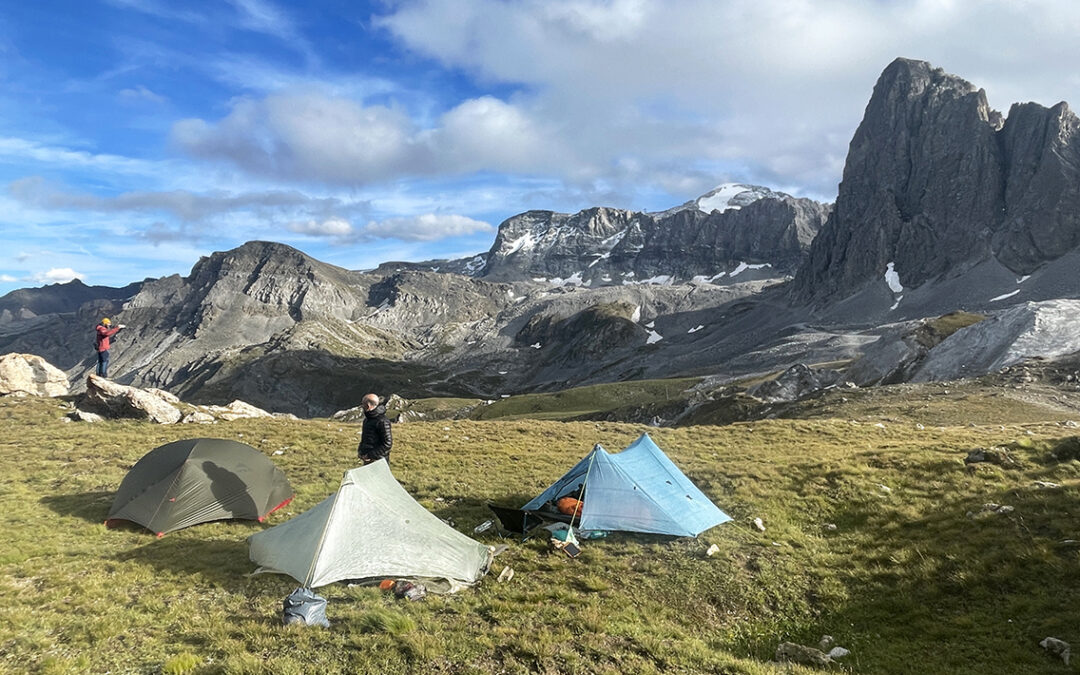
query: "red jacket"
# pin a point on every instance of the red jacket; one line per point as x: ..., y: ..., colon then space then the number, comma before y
x: 103, y: 335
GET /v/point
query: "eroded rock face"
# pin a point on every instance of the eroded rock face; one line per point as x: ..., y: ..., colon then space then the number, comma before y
x: 936, y: 181
x: 30, y: 375
x: 798, y: 381
x: 116, y: 400
x: 611, y: 246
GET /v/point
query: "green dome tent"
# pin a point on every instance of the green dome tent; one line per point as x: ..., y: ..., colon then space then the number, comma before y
x: 198, y: 480
x: 371, y: 528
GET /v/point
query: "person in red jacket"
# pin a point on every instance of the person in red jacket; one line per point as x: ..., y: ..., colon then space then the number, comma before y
x: 103, y: 335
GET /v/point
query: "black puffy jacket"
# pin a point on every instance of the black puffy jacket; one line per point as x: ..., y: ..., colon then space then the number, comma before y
x: 375, y: 439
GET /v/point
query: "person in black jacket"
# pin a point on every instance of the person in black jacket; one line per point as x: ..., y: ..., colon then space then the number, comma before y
x: 376, y: 438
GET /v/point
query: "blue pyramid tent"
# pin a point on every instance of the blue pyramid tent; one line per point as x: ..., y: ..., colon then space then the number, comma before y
x: 636, y: 490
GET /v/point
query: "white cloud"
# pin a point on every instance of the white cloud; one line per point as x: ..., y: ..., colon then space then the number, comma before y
x: 773, y: 91
x: 22, y: 150
x: 331, y: 227
x: 141, y: 93
x: 306, y: 135
x: 184, y: 204
x: 7, y: 278
x: 58, y: 275
x: 428, y: 227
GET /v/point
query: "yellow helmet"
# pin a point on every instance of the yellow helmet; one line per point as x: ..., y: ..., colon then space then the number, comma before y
x: 105, y: 321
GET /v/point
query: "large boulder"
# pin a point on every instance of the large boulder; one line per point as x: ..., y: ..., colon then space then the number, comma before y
x: 236, y: 410
x: 116, y: 400
x: 30, y: 375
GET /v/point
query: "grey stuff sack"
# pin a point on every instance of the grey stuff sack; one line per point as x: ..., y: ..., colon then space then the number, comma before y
x: 304, y: 607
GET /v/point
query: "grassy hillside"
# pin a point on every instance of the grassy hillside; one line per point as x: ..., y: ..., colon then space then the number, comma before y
x: 915, y: 577
x: 589, y: 400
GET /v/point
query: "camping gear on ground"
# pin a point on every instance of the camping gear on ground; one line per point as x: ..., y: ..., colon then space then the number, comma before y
x: 515, y: 521
x: 304, y: 607
x: 636, y: 490
x: 410, y: 590
x: 569, y: 506
x: 370, y: 529
x: 198, y: 480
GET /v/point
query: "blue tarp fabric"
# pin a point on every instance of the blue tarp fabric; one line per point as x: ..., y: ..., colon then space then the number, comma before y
x: 636, y: 490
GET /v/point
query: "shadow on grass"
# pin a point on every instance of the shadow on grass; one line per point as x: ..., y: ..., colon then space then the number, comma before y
x: 221, y: 562
x: 90, y: 506
x: 966, y: 588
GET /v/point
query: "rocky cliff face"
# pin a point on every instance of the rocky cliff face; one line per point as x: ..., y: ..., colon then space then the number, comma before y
x: 733, y: 228
x: 936, y: 182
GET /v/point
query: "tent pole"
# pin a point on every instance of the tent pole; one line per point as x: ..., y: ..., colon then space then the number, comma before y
x: 582, y: 491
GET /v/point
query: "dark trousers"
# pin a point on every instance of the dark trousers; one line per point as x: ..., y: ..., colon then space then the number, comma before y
x: 103, y: 363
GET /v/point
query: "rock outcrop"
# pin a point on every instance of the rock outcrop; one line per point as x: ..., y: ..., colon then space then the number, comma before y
x: 116, y: 400
x: 612, y: 246
x: 937, y: 182
x: 797, y: 382
x: 30, y: 375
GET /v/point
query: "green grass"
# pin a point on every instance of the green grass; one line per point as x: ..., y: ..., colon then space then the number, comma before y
x: 589, y: 400
x: 915, y: 577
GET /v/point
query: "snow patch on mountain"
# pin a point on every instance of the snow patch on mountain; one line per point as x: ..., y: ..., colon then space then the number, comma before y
x: 1002, y: 297
x: 892, y: 277
x: 726, y: 197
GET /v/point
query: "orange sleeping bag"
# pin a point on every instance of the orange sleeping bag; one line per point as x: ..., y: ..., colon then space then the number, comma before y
x: 569, y: 506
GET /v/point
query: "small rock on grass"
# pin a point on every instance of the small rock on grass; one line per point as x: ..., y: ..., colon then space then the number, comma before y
x: 759, y: 524
x: 1057, y: 648
x: 789, y: 652
x: 713, y: 550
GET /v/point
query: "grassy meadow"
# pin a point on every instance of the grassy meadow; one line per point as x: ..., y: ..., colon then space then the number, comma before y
x: 916, y: 577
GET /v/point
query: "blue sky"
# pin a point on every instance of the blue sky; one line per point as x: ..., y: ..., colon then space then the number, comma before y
x: 139, y: 135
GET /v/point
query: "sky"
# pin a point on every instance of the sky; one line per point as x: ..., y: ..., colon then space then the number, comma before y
x: 138, y: 135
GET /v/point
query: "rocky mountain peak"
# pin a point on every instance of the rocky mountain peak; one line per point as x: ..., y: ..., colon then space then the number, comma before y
x: 936, y: 182
x: 716, y: 237
x: 728, y: 196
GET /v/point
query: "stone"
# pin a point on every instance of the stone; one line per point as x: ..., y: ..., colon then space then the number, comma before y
x: 826, y: 643
x: 236, y: 410
x: 1057, y: 647
x: 759, y: 524
x: 117, y: 400
x: 712, y: 550
x: 998, y: 456
x: 83, y: 416
x: 838, y: 653
x: 31, y: 375
x: 198, y: 417
x: 163, y: 395
x: 795, y: 383
x: 789, y: 652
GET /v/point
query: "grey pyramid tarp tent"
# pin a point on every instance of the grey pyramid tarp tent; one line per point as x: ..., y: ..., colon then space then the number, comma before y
x: 198, y: 480
x: 636, y: 490
x: 371, y: 528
